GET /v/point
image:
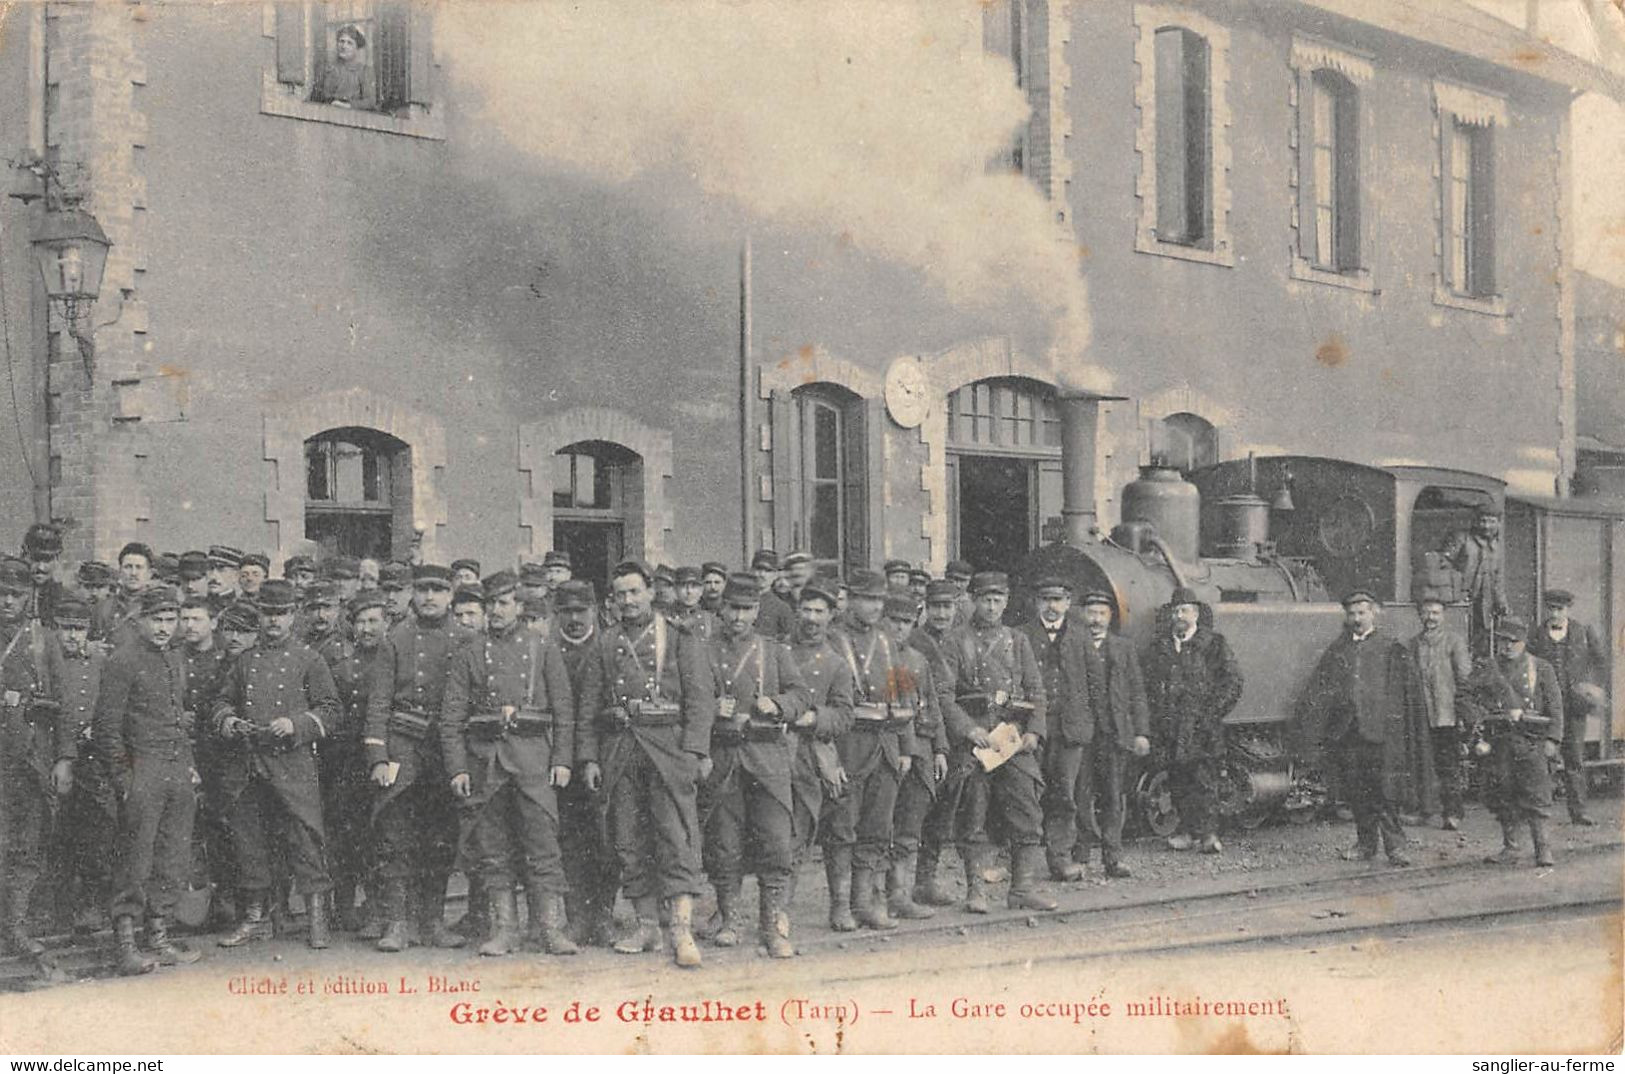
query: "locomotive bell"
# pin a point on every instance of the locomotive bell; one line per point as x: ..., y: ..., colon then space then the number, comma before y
x: 1170, y: 504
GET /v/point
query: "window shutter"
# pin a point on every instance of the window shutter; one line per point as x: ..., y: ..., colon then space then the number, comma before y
x: 290, y: 42
x: 1170, y: 132
x: 855, y: 487
x: 394, y: 32
x: 1483, y: 202
x: 1306, y: 167
x: 1198, y: 134
x: 787, y: 490
x: 1348, y: 180
x: 1447, y: 203
x: 420, y: 56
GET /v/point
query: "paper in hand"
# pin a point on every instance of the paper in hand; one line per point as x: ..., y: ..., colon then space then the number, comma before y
x: 1004, y: 742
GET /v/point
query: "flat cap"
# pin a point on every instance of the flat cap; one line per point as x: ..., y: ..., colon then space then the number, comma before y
x: 241, y: 617
x: 867, y: 583
x: 223, y: 555
x: 43, y: 540
x: 95, y: 572
x: 1555, y: 598
x: 742, y: 591
x: 558, y: 557
x: 1512, y: 628
x: 1097, y: 596
x: 1053, y: 586
x: 499, y: 583
x: 990, y: 582
x: 160, y: 598
x: 575, y: 595
x: 432, y: 574
x: 194, y: 564
x: 276, y: 596
x: 1359, y: 594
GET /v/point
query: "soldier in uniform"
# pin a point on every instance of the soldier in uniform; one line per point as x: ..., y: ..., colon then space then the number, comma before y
x: 941, y: 611
x: 798, y: 571
x: 346, y: 791
x: 42, y: 547
x: 144, y: 737
x: 367, y: 570
x: 225, y: 566
x: 395, y: 582
x: 113, y: 621
x: 414, y: 817
x: 759, y: 696
x: 897, y: 572
x: 96, y: 581
x: 252, y: 574
x: 713, y: 579
x: 276, y: 704
x: 959, y: 573
x: 468, y: 608
x: 90, y: 814
x: 816, y: 777
x: 774, y: 619
x: 204, y: 663
x: 687, y: 613
x: 533, y: 586
x: 193, y: 575
x: 1193, y: 681
x: 321, y: 630
x: 1364, y: 678
x: 919, y: 580
x: 1443, y: 665
x: 590, y: 865
x: 653, y: 699
x: 1580, y: 660
x: 300, y: 570
x: 996, y: 680
x: 920, y: 686
x: 507, y: 731
x: 876, y: 753
x: 239, y: 628
x: 343, y: 573
x: 36, y: 753
x: 665, y: 583
x: 1522, y: 702
x: 464, y: 572
x: 1478, y: 558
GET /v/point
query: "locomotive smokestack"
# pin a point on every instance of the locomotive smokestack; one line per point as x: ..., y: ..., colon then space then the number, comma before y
x: 1080, y: 418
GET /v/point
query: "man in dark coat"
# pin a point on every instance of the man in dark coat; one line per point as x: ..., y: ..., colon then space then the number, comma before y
x: 1478, y: 556
x: 1193, y: 682
x: 940, y: 615
x: 921, y: 687
x: 90, y: 814
x: 346, y: 790
x: 1578, y: 657
x: 775, y: 619
x: 654, y: 700
x: 759, y: 696
x: 816, y: 777
x: 1364, y: 701
x: 1523, y: 716
x: 276, y: 703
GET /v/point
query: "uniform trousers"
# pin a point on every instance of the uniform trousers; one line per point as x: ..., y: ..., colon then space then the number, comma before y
x: 1518, y: 783
x: 809, y: 796
x: 155, y: 836
x: 1573, y: 754
x: 513, y: 836
x: 89, y: 824
x: 1083, y: 797
x: 915, y: 799
x: 25, y: 809
x: 1194, y: 785
x: 747, y: 828
x: 861, y: 817
x: 1365, y: 789
x: 1007, y: 800
x: 1450, y: 768
x: 264, y: 810
x: 415, y: 833
x: 346, y: 801
x: 655, y: 828
x: 590, y: 866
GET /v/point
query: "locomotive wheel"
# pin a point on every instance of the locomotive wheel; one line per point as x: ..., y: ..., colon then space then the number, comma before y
x: 1155, y: 801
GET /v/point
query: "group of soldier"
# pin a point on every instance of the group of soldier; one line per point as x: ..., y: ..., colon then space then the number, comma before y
x: 355, y: 732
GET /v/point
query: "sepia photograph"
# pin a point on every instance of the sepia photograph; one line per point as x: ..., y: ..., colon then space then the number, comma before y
x: 774, y: 528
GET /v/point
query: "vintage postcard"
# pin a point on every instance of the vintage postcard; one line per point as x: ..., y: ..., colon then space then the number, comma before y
x: 740, y: 526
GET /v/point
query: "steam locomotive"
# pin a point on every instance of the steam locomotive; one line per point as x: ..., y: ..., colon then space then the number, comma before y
x: 1269, y: 544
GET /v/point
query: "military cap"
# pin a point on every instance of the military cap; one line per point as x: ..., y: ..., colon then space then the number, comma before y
x: 817, y: 589
x: 241, y: 617
x: 534, y: 606
x: 557, y: 557
x: 340, y: 568
x: 666, y: 573
x: 901, y: 604
x: 1052, y: 586
x: 941, y: 591
x: 367, y: 598
x: 742, y: 591
x: 688, y: 576
x: 392, y: 576
x: 1430, y: 594
x: 197, y: 600
x: 223, y: 555
x: 42, y: 541
x: 1356, y: 595
x: 468, y: 594
x: 499, y: 583
x: 257, y: 559
x: 796, y: 559
x: 919, y: 574
x: 95, y: 572
x: 72, y: 609
x: 466, y: 565
x: 1097, y: 596
x: 160, y: 598
x: 1557, y: 598
x: 432, y: 574
x: 194, y: 564
x: 1512, y: 628
x: 632, y: 566
x: 532, y: 572
x: 136, y: 548
x: 320, y: 595
x: 958, y: 568
x: 167, y: 565
x: 713, y: 567
x: 897, y: 566
x: 16, y: 575
x: 574, y: 595
x: 1183, y: 595
x: 990, y: 582
x: 277, y: 596
x: 298, y: 564
x: 867, y: 583
x: 765, y: 559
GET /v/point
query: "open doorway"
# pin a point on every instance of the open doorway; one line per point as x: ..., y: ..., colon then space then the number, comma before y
x: 996, y: 516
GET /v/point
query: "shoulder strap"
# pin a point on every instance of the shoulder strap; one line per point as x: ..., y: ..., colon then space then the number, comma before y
x: 660, y: 653
x: 535, y: 665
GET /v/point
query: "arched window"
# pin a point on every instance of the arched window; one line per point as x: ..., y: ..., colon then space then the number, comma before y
x: 1184, y: 441
x: 597, y: 506
x: 832, y: 465
x: 358, y: 493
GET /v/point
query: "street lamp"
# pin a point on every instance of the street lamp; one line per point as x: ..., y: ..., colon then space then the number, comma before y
x: 71, y: 249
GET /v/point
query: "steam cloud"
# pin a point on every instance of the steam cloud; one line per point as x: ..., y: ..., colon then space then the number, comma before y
x: 865, y: 119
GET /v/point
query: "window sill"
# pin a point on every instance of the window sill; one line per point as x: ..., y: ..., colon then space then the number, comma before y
x: 1358, y: 280
x: 1220, y: 255
x: 278, y: 99
x: 1490, y: 306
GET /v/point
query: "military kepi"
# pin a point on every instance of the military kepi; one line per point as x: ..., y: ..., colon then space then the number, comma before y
x: 742, y: 591
x: 990, y: 582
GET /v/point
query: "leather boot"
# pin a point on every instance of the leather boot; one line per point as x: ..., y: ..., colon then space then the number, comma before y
x: 897, y: 893
x: 928, y: 889
x: 1024, y: 893
x: 254, y: 925
x: 475, y: 924
x: 392, y: 911
x: 975, y: 886
x: 320, y: 933
x: 1064, y: 870
x: 504, y: 931
x: 432, y: 927
x: 867, y: 908
x: 371, y: 925
x: 163, y: 948
x: 555, y: 940
x: 773, y: 924
x: 727, y: 931
x: 685, y: 952
x: 1511, y: 848
x: 1537, y: 833
x: 838, y: 874
x: 646, y: 936
x: 576, y: 913
x: 131, y: 962
x: 344, y: 911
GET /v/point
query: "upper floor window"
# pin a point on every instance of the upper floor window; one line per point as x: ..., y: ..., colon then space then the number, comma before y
x: 1467, y: 122
x: 1004, y: 34
x: 1332, y: 246
x: 833, y: 462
